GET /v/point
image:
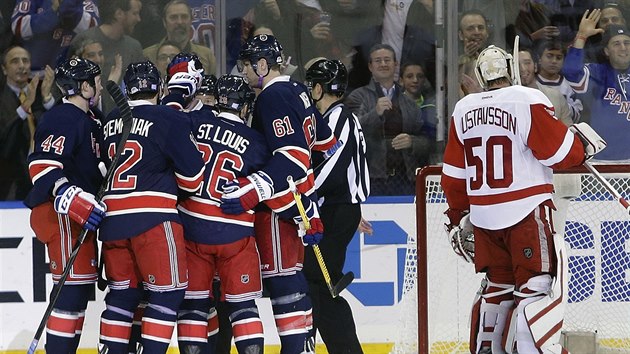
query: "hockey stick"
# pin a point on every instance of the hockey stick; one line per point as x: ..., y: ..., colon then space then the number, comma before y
x: 608, y: 186
x: 127, y: 120
x: 347, y: 278
x: 328, y: 154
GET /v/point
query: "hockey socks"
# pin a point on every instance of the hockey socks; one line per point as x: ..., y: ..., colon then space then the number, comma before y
x: 63, y: 330
x: 117, y: 319
x: 247, y: 327
x: 195, y: 326
x: 293, y: 313
x: 160, y: 317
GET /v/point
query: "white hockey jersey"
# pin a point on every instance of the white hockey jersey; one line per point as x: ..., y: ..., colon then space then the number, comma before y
x: 501, y: 150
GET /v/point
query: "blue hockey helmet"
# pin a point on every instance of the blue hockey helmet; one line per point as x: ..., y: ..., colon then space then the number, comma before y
x: 71, y: 73
x: 208, y: 85
x: 142, y: 77
x: 233, y: 93
x: 331, y: 74
x: 261, y: 46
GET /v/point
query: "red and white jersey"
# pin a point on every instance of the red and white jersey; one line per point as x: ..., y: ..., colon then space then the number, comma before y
x: 501, y: 149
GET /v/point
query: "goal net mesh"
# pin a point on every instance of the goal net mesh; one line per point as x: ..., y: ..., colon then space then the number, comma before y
x: 439, y: 287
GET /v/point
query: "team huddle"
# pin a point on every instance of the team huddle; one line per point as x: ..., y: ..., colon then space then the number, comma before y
x: 196, y: 193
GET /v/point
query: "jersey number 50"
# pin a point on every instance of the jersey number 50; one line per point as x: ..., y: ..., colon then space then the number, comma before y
x: 497, y: 154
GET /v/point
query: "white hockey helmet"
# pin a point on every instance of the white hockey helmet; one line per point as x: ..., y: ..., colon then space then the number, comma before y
x: 494, y: 63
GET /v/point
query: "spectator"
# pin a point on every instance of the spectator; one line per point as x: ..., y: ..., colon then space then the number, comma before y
x: 392, y: 124
x: 165, y: 53
x: 607, y: 84
x: 400, y: 30
x: 177, y: 20
x: 550, y: 60
x: 527, y: 71
x: 203, y: 22
x: 566, y: 15
x: 473, y: 35
x: 611, y: 15
x: 6, y: 36
x: 414, y: 83
x: 533, y: 23
x: 118, y: 20
x: 21, y: 105
x: 92, y: 50
x: 46, y: 27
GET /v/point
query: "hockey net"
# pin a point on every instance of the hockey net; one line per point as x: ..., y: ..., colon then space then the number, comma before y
x: 439, y: 287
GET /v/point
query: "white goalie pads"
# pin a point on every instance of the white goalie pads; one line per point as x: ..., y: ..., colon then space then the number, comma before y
x: 593, y: 143
x: 545, y: 316
x: 463, y: 239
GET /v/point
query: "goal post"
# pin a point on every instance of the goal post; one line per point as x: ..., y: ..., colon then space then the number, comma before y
x: 439, y: 287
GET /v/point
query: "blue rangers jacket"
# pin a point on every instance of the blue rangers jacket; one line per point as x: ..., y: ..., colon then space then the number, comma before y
x: 66, y: 146
x: 159, y: 160
x: 230, y: 149
x: 293, y: 127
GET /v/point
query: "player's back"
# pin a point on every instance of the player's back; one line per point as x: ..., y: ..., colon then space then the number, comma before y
x: 159, y: 159
x: 230, y: 149
x: 507, y: 135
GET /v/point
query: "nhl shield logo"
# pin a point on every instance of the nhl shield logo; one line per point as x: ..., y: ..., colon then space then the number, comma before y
x: 244, y: 278
x: 528, y: 252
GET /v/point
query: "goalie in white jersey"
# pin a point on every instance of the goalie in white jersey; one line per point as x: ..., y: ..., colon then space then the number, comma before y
x: 503, y: 144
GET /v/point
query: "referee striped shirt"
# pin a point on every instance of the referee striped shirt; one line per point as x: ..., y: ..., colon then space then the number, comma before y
x: 344, y: 177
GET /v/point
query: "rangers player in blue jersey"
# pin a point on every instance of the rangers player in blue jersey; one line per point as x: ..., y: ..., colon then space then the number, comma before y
x: 160, y: 161
x: 292, y: 128
x: 65, y: 174
x: 219, y: 242
x: 48, y: 26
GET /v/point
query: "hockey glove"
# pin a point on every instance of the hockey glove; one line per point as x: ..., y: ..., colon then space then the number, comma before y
x: 315, y: 233
x: 463, y: 239
x: 593, y: 143
x: 245, y: 193
x: 81, y: 206
x: 184, y: 82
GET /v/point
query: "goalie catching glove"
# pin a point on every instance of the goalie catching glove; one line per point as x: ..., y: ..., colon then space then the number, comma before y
x: 315, y: 233
x: 81, y: 206
x: 593, y: 143
x: 460, y: 233
x: 244, y: 193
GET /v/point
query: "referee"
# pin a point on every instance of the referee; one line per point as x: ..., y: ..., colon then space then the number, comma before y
x: 342, y: 183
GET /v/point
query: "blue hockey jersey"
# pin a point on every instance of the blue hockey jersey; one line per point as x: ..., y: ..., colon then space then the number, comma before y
x: 292, y: 127
x: 45, y: 32
x: 230, y: 149
x: 160, y: 159
x: 66, y: 145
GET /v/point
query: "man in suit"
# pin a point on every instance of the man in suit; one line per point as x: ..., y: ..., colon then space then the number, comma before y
x: 22, y: 102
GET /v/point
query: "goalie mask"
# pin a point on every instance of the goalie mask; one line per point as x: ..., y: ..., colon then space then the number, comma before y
x: 494, y: 63
x: 73, y: 72
x: 233, y: 93
x: 142, y: 77
x: 262, y: 46
x: 331, y: 74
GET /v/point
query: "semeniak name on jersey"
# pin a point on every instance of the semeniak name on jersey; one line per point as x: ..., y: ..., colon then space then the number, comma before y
x: 139, y: 127
x: 488, y: 116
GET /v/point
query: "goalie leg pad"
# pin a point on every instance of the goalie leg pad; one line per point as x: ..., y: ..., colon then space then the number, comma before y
x: 492, y: 307
x: 539, y: 316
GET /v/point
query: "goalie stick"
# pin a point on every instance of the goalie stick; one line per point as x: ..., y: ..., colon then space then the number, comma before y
x: 608, y: 186
x: 127, y: 119
x: 347, y: 278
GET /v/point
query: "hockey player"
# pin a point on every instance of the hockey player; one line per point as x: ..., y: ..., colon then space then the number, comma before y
x: 286, y: 116
x: 65, y: 174
x: 219, y: 242
x: 143, y: 241
x: 342, y: 182
x: 184, y: 77
x: 206, y: 93
x: 502, y: 147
